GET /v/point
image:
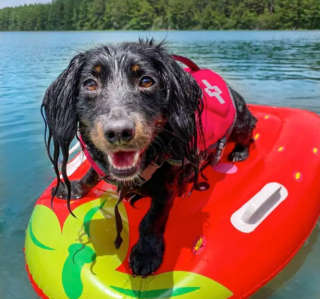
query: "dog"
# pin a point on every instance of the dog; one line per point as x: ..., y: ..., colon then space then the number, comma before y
x: 134, y: 106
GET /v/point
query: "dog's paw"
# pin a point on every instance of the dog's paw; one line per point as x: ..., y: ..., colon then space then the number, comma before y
x: 145, y: 259
x: 238, y: 155
x: 77, y: 190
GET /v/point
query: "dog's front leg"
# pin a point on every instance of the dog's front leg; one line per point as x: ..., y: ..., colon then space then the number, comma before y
x: 146, y: 256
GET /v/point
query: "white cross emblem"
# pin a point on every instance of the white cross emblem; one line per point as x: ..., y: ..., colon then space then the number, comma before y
x: 213, y: 91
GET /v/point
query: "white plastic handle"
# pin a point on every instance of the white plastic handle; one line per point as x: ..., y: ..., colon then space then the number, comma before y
x: 256, y: 210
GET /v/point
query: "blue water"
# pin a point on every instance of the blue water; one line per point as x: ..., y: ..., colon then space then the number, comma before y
x: 274, y: 68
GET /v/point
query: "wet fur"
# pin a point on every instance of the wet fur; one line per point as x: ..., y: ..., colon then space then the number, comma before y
x: 167, y: 120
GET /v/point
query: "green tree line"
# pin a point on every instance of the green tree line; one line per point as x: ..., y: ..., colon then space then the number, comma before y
x: 162, y: 14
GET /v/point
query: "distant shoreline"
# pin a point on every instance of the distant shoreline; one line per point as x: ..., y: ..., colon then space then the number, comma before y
x: 156, y: 15
x: 171, y: 30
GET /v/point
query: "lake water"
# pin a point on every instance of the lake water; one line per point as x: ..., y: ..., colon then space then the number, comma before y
x: 273, y: 68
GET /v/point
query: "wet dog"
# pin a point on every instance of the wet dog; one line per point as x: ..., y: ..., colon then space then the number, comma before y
x: 134, y: 106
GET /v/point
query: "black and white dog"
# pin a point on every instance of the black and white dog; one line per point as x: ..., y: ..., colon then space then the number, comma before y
x: 133, y: 105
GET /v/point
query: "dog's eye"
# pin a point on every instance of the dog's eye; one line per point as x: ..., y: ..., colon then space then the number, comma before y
x: 146, y: 82
x: 90, y: 85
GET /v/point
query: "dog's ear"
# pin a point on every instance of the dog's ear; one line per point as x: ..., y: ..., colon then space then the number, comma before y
x: 185, y: 106
x: 58, y: 111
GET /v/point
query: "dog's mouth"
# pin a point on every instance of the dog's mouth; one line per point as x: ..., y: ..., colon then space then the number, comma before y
x: 124, y: 164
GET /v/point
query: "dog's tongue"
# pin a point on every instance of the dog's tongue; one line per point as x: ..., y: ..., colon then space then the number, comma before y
x: 124, y: 159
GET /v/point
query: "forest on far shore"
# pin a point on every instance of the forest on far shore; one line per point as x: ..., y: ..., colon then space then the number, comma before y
x: 162, y: 14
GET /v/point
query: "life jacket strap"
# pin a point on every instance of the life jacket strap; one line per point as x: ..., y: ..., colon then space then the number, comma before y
x: 189, y: 63
x: 119, y: 226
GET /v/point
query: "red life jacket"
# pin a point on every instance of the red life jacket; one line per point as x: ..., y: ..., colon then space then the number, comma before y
x: 219, y: 111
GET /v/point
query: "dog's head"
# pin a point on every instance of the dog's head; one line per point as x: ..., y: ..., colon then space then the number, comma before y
x: 131, y: 102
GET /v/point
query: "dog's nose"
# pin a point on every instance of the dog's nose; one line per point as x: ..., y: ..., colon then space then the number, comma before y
x: 120, y: 131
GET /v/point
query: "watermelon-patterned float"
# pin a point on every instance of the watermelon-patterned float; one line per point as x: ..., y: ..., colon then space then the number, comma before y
x: 224, y: 242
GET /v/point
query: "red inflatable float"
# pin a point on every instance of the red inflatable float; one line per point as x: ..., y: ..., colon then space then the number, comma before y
x: 224, y: 242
